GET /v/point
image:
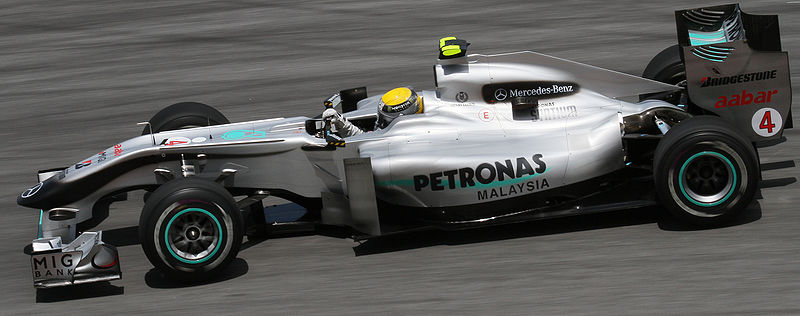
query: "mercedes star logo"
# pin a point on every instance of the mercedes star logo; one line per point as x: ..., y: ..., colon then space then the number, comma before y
x: 500, y: 94
x: 30, y: 192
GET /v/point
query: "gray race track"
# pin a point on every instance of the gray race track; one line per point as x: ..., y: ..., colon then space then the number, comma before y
x: 75, y: 77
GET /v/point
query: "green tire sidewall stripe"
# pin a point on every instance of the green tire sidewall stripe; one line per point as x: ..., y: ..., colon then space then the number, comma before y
x: 201, y: 260
x: 704, y: 153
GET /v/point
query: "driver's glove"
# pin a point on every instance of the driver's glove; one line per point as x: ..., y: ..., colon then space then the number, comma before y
x: 344, y: 127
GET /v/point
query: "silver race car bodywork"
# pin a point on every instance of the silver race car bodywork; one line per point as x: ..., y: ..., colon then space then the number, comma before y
x: 502, y: 138
x: 457, y: 153
x: 453, y: 154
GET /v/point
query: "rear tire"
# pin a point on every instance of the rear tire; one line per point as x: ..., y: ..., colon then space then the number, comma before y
x: 706, y: 173
x: 185, y: 115
x: 190, y: 229
x: 666, y: 67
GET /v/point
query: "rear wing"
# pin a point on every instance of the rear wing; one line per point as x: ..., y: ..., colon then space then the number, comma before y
x: 735, y: 68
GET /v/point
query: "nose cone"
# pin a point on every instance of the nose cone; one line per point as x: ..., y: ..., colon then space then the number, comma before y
x: 31, y: 195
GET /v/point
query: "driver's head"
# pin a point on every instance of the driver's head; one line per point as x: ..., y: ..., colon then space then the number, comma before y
x: 397, y: 102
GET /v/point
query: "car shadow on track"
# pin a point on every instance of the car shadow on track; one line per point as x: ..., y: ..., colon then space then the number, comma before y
x: 749, y: 215
x: 121, y: 237
x: 648, y: 215
x: 157, y: 280
x: 777, y: 182
x: 77, y: 292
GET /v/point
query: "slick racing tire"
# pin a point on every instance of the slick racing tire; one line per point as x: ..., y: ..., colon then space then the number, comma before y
x: 706, y: 173
x: 185, y: 115
x: 666, y: 67
x: 190, y: 229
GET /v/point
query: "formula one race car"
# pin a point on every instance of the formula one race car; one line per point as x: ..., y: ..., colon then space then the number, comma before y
x: 503, y: 138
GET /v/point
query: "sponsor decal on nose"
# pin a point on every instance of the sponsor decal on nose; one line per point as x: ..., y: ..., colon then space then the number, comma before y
x: 32, y: 191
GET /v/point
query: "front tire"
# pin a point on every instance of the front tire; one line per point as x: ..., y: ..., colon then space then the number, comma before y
x: 706, y: 173
x: 185, y: 115
x: 190, y: 229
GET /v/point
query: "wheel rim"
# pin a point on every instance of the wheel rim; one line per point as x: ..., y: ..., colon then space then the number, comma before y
x: 193, y: 235
x: 707, y: 179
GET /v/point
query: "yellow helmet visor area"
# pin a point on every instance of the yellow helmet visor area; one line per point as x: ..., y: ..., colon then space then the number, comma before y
x: 397, y: 102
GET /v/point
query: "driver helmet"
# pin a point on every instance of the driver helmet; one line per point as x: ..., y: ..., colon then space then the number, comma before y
x: 397, y: 102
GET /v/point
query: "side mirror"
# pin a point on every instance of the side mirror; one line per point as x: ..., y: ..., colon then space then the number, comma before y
x: 350, y: 98
x: 312, y: 128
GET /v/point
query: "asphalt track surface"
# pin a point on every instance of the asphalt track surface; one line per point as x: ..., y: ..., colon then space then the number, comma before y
x: 75, y: 77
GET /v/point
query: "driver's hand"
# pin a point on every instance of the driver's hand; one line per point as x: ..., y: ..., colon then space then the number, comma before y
x: 343, y: 127
x: 333, y: 116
